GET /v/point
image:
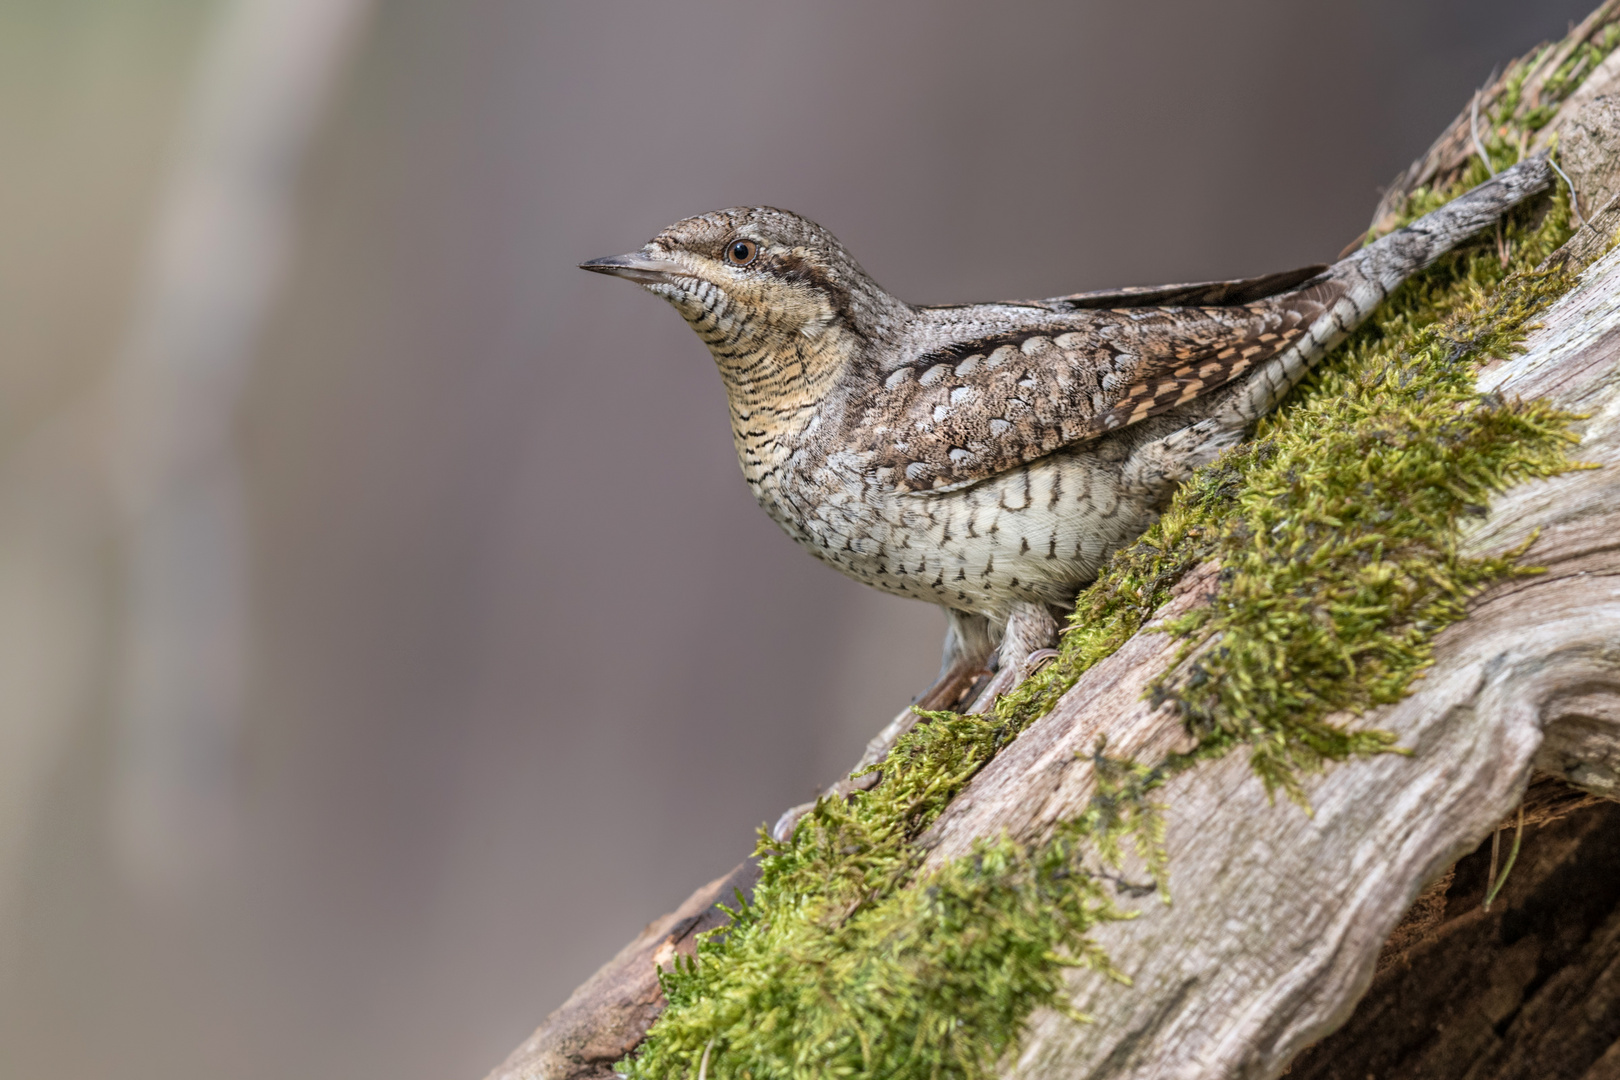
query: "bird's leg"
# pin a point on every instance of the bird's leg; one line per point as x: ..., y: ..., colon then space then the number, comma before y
x: 1031, y: 627
x: 969, y: 646
x: 964, y: 683
x: 962, y: 670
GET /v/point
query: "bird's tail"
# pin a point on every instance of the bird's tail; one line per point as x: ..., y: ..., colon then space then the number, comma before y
x: 1396, y: 257
x: 1355, y: 285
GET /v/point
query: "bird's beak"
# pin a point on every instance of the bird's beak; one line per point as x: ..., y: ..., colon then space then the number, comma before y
x: 637, y: 266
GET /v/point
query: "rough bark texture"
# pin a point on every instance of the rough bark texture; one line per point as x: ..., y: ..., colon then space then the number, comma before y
x: 1529, y: 989
x: 1282, y: 920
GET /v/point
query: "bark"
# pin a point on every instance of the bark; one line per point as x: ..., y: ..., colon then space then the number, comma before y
x: 607, y: 1016
x: 1528, y: 989
x: 1281, y: 919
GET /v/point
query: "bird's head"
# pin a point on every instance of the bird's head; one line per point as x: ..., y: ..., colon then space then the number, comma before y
x: 758, y: 284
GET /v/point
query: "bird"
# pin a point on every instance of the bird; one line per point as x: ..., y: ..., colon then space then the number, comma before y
x: 990, y: 457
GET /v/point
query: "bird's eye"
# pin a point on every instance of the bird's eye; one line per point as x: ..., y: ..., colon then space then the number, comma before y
x: 741, y: 252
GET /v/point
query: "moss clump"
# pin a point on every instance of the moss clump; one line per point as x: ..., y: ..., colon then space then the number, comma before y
x: 1339, y: 559
x: 1337, y: 530
x: 843, y: 964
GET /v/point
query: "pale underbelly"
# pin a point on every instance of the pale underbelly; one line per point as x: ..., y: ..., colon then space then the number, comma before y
x: 1035, y: 534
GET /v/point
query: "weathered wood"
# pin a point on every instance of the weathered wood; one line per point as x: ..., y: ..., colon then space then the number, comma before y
x: 1445, y: 160
x: 608, y: 1015
x: 1527, y: 990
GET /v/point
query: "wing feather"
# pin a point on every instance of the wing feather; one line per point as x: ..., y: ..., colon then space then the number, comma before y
x: 975, y: 405
x: 1197, y: 294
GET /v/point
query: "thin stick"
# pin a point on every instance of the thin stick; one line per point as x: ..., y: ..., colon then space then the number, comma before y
x: 1513, y: 855
x: 1473, y: 131
x: 1574, y: 200
x: 1490, y: 875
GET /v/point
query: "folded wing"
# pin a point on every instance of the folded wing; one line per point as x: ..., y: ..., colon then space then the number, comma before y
x: 970, y: 408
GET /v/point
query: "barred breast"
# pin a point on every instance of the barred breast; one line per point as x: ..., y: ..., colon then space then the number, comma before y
x: 1034, y: 534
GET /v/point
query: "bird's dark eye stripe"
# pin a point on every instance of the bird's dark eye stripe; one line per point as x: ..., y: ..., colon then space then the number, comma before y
x: 741, y: 252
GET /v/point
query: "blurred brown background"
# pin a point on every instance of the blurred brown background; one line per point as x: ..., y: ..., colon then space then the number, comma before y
x: 385, y: 632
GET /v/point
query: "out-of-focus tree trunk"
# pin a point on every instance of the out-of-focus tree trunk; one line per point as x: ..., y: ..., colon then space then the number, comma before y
x: 215, y: 257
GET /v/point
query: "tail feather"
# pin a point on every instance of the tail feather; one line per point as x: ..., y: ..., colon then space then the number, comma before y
x: 1356, y: 285
x: 1396, y: 257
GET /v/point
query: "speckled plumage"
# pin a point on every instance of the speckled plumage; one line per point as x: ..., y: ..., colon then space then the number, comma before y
x: 989, y: 457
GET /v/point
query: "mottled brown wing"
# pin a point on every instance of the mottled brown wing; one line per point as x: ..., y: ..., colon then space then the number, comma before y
x: 972, y: 409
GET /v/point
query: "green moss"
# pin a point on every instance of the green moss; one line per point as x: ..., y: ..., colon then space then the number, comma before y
x: 1340, y: 560
x: 1337, y: 532
x: 844, y: 964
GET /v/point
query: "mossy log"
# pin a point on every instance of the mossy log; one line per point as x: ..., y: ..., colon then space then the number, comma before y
x: 1283, y: 920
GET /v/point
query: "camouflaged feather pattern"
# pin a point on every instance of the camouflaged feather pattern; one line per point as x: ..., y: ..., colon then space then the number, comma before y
x: 990, y: 457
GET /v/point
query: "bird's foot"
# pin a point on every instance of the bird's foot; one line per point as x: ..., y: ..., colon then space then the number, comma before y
x: 1026, y: 646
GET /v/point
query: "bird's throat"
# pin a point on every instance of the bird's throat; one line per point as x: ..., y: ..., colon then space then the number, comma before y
x: 776, y: 392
